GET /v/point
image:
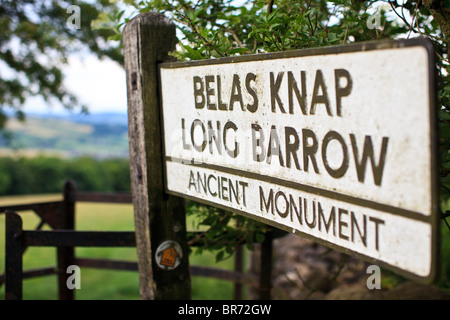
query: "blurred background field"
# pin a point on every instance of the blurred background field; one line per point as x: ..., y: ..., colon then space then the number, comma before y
x: 99, y: 284
x: 100, y: 135
x: 91, y: 150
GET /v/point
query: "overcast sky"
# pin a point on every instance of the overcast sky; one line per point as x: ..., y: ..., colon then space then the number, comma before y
x: 99, y: 84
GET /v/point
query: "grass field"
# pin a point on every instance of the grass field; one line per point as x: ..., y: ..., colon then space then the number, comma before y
x: 100, y: 284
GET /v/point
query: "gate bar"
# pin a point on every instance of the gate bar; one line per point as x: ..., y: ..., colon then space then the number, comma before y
x: 13, y: 257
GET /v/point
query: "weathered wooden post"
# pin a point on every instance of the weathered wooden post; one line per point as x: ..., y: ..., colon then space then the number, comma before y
x: 13, y: 256
x: 265, y: 281
x: 159, y: 218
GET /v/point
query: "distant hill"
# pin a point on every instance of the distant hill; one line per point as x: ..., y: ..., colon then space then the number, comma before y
x: 105, y: 118
x: 100, y: 135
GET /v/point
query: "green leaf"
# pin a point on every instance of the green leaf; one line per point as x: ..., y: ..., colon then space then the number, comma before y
x: 259, y: 237
x: 193, y: 54
x: 444, y: 115
x: 219, y: 256
x: 238, y: 50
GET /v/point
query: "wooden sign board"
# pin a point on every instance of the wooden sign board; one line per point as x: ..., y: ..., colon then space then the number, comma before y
x: 335, y: 144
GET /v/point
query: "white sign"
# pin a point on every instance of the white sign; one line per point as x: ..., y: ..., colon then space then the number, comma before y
x: 334, y: 144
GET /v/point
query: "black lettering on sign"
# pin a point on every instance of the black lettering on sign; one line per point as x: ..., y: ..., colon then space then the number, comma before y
x: 319, y: 85
x: 311, y: 223
x: 208, y: 91
x: 236, y: 93
x: 274, y: 147
x: 363, y: 233
x: 198, y: 124
x: 251, y: 77
x: 339, y: 172
x: 217, y: 139
x: 258, y: 143
x: 183, y: 134
x: 310, y: 147
x: 282, y: 210
x: 377, y: 223
x: 274, y: 88
x: 306, y: 148
x: 328, y: 223
x: 266, y: 204
x: 214, y: 136
x: 368, y: 153
x: 221, y: 104
x: 217, y: 186
x: 233, y: 153
x: 342, y: 223
x: 342, y: 91
x: 292, y: 144
x: 198, y: 93
x: 334, y: 221
x: 293, y: 88
x: 320, y: 91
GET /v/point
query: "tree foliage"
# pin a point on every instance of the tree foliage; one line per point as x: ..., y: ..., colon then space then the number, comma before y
x: 35, y: 42
x: 46, y: 174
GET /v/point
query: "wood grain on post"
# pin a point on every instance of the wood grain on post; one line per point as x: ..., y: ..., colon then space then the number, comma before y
x: 147, y: 40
